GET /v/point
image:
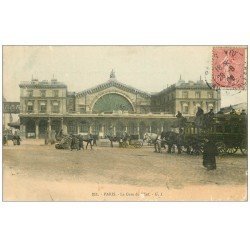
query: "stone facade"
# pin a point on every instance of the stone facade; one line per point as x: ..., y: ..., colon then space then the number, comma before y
x: 109, y: 108
x: 186, y: 98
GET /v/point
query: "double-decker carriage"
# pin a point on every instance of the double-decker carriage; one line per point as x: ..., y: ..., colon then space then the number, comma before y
x: 229, y: 132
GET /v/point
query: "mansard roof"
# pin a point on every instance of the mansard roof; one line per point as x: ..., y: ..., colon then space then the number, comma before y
x: 187, y: 85
x: 112, y: 82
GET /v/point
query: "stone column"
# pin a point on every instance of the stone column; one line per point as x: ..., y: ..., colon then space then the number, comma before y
x: 64, y: 126
x: 162, y: 128
x: 191, y: 108
x: 62, y: 123
x: 37, y: 129
x: 126, y: 128
x: 203, y: 106
x: 138, y: 130
x: 216, y: 107
x: 49, y: 125
x: 114, y: 130
x: 90, y: 129
x: 150, y: 129
x: 23, y: 130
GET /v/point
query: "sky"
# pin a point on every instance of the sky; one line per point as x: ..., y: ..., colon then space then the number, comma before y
x: 149, y: 68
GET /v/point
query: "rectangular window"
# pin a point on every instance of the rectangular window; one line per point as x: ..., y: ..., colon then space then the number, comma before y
x: 30, y: 93
x: 84, y: 128
x: 55, y: 93
x: 43, y: 93
x: 30, y: 107
x: 210, y: 95
x: 55, y: 107
x: 198, y: 95
x: 72, y: 128
x: 43, y: 107
x: 185, y: 109
x: 184, y: 94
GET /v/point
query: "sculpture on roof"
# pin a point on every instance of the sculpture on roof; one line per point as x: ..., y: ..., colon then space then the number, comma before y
x: 112, y: 74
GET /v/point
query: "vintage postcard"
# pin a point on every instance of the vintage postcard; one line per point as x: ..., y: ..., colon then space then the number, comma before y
x: 125, y: 123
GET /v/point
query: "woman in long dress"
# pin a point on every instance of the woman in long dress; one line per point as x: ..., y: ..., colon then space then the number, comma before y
x: 209, y: 153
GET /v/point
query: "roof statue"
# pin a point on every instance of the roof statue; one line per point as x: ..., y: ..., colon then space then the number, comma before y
x: 112, y: 74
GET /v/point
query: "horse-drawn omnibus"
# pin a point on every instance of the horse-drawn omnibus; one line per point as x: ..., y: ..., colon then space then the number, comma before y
x: 229, y: 133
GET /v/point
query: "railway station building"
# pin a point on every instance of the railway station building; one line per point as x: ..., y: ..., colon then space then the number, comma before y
x: 109, y: 108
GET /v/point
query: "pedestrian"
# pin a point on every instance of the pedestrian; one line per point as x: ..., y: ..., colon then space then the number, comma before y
x: 179, y: 115
x: 14, y: 139
x: 211, y: 113
x: 209, y: 153
x: 73, y: 144
x: 233, y: 112
x: 81, y: 146
x: 199, y: 112
x: 18, y: 139
x: 5, y: 141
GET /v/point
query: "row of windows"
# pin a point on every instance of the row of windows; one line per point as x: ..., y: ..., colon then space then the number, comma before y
x: 197, y: 94
x: 185, y: 95
x: 185, y: 107
x: 55, y: 107
x: 55, y: 93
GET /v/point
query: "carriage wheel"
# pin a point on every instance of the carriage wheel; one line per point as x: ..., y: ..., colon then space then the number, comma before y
x: 243, y: 146
x: 232, y: 151
x: 221, y: 147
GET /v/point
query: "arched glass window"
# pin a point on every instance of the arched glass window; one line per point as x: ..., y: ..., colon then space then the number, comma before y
x: 112, y: 102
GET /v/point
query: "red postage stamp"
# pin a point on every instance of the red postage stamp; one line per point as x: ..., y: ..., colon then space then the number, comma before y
x: 228, y: 69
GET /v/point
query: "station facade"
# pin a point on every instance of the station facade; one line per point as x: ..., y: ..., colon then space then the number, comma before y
x: 109, y: 108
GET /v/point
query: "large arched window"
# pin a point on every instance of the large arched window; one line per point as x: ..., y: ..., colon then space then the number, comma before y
x: 112, y: 102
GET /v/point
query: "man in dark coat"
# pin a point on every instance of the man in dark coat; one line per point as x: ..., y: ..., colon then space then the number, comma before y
x: 209, y: 153
x: 18, y: 139
x: 81, y: 146
x: 199, y: 112
x: 179, y: 115
x: 4, y: 139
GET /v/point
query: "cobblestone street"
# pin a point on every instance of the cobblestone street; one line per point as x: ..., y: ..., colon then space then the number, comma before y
x: 34, y: 172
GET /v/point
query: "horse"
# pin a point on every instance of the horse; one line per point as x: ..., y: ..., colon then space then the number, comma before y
x: 155, y: 139
x: 173, y: 139
x: 113, y: 139
x: 90, y: 140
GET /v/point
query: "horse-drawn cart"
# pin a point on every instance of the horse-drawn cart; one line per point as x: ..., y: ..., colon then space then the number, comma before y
x: 228, y: 132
